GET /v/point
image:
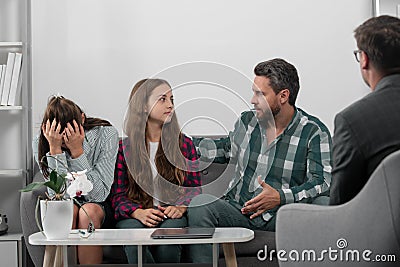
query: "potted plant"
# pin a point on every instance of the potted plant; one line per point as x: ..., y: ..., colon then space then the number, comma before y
x: 56, y: 212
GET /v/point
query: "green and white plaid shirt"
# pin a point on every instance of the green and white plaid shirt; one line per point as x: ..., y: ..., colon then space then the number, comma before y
x: 297, y: 163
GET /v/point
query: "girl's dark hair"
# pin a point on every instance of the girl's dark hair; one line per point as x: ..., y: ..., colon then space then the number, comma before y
x: 63, y: 111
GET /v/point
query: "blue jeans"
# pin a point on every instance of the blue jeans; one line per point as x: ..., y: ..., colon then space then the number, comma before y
x: 154, y: 254
x: 209, y: 211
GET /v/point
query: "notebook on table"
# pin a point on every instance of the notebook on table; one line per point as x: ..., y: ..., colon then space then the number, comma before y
x: 175, y: 233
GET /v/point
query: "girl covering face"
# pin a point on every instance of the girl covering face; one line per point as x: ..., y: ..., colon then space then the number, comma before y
x: 70, y: 141
x: 155, y: 170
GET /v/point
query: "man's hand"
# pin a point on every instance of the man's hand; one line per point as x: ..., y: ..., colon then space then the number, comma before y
x: 268, y: 199
x: 173, y: 212
x: 52, y: 133
x: 149, y: 217
x: 73, y: 139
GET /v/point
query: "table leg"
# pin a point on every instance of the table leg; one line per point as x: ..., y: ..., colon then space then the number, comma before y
x: 230, y: 256
x: 140, y: 256
x: 215, y: 254
x: 49, y: 256
x: 61, y: 257
x: 55, y: 256
x: 65, y: 255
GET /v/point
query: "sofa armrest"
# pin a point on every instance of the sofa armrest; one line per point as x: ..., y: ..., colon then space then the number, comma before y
x: 27, y: 208
x: 321, y: 200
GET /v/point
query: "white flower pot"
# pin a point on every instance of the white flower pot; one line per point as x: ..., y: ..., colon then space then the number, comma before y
x: 56, y: 218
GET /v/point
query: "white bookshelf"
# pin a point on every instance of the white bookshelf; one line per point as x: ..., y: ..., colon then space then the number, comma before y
x: 16, y: 162
x: 11, y: 172
x: 10, y: 108
x: 11, y: 44
x: 11, y: 246
x: 11, y: 237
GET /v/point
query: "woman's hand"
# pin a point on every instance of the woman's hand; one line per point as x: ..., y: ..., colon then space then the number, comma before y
x: 52, y: 133
x: 173, y: 212
x: 149, y: 217
x: 73, y: 139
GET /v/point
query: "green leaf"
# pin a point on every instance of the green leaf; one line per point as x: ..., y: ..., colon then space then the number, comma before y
x: 53, y: 176
x: 51, y: 185
x: 56, y: 182
x: 32, y: 186
x: 60, y: 183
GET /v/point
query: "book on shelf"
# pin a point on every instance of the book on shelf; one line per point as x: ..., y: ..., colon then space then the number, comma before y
x: 7, y: 78
x: 1, y: 79
x: 15, y: 86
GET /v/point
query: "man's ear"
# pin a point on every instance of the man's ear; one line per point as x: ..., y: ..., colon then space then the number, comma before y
x: 284, y: 96
x: 83, y: 118
x: 364, y: 60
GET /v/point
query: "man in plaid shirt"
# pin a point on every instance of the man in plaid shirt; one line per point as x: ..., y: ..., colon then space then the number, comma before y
x: 281, y: 155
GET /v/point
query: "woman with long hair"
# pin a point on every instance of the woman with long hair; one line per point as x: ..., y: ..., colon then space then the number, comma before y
x: 155, y: 176
x: 70, y: 141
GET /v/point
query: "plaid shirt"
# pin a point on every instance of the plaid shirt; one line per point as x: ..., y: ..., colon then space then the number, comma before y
x: 297, y: 163
x: 124, y: 206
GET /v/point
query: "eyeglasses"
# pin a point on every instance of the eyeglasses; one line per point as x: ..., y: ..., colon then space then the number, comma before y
x: 357, y: 54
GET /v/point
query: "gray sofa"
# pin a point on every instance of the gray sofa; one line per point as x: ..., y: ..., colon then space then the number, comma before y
x: 246, y: 253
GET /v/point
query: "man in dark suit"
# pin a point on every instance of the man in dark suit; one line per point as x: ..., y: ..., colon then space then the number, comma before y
x: 369, y: 130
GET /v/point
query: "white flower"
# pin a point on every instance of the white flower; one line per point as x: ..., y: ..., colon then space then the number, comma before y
x: 80, y: 185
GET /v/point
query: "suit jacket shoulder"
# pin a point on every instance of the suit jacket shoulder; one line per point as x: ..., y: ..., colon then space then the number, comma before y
x: 365, y: 133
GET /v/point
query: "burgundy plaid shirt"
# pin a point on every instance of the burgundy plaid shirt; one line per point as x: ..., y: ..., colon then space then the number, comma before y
x: 123, y: 206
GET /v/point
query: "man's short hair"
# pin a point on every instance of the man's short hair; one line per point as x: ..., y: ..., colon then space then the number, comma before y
x: 281, y: 75
x: 379, y: 38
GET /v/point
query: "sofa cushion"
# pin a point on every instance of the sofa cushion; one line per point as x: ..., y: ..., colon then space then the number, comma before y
x: 114, y: 254
x: 251, y: 248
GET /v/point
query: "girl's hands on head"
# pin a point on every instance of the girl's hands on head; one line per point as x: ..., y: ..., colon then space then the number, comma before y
x: 173, y: 212
x: 73, y: 138
x: 51, y: 130
x: 149, y: 217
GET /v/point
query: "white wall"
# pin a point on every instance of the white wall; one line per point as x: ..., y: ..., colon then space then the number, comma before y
x: 94, y: 51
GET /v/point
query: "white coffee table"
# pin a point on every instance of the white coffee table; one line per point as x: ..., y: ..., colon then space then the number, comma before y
x: 141, y: 237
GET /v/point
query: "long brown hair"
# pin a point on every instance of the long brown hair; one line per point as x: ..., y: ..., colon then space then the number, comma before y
x: 64, y: 111
x: 140, y: 176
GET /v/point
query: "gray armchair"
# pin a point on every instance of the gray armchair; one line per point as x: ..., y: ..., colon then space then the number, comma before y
x: 369, y: 222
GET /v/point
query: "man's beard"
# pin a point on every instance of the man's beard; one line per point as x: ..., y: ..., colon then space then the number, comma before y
x: 275, y: 110
x: 268, y: 116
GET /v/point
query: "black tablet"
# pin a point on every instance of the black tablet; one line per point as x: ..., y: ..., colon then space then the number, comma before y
x: 188, y: 232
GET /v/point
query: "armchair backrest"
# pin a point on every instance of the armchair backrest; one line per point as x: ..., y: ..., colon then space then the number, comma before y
x: 369, y: 222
